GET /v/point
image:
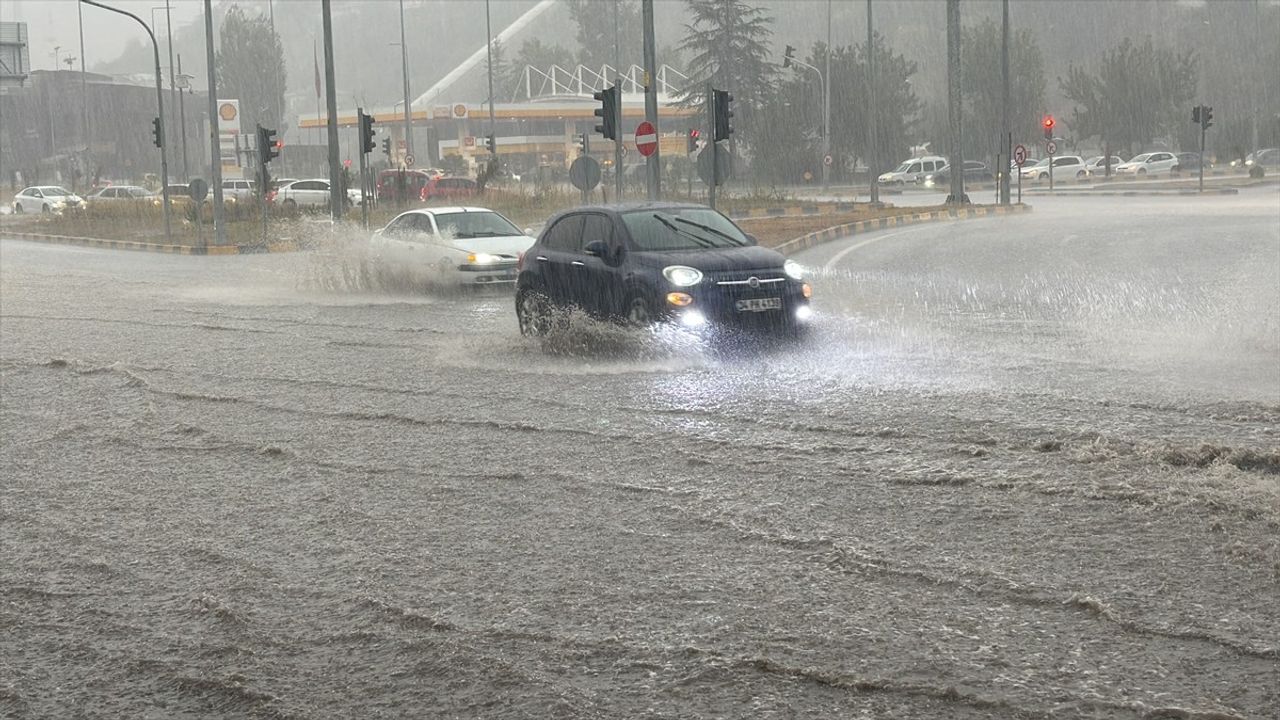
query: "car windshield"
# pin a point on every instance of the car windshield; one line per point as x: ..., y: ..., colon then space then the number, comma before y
x: 682, y: 229
x: 55, y: 191
x: 1044, y: 162
x: 903, y: 167
x: 475, y: 224
x: 1141, y: 158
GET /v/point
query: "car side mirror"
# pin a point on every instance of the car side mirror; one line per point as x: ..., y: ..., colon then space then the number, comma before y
x: 528, y: 231
x: 753, y: 239
x: 597, y: 248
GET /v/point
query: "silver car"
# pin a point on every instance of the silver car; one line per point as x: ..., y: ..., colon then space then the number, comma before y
x: 45, y: 199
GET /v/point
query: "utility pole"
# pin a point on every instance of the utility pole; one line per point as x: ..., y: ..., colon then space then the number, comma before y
x: 1006, y: 136
x: 826, y: 109
x: 617, y: 141
x: 488, y: 44
x: 164, y: 158
x: 80, y: 13
x: 173, y: 85
x: 953, y: 103
x: 182, y: 118
x: 404, y: 74
x: 873, y: 152
x: 653, y: 164
x: 215, y: 157
x: 337, y: 193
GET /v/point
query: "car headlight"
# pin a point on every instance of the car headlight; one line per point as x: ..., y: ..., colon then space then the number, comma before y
x: 793, y: 269
x: 482, y: 258
x: 682, y: 275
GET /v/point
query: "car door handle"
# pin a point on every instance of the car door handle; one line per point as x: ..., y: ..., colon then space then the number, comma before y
x: 578, y: 263
x: 542, y: 258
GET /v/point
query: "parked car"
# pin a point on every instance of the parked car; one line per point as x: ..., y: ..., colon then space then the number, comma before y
x: 914, y: 170
x: 658, y: 262
x: 974, y: 171
x: 313, y: 193
x: 238, y: 190
x: 1064, y: 166
x: 449, y: 188
x: 389, y: 184
x: 45, y: 199
x: 1268, y: 158
x: 1097, y: 165
x: 452, y: 245
x: 1152, y: 163
x: 119, y: 194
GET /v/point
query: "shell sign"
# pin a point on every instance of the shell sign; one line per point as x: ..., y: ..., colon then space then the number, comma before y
x: 459, y: 111
x: 229, y: 116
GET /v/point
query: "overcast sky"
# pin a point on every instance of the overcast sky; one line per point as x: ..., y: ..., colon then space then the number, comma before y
x: 53, y: 23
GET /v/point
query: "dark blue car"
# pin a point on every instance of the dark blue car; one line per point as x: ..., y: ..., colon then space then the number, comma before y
x: 660, y: 262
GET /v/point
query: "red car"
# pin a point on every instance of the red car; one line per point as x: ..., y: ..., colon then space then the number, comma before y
x: 448, y: 188
x: 415, y: 181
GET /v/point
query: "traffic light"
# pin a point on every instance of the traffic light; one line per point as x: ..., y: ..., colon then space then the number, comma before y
x: 788, y: 57
x: 720, y: 100
x: 693, y: 140
x: 268, y: 148
x: 386, y: 147
x: 1048, y: 124
x: 584, y: 143
x: 1206, y: 117
x: 608, y: 111
x: 1195, y: 115
x: 156, y: 133
x: 367, y: 145
x: 490, y: 144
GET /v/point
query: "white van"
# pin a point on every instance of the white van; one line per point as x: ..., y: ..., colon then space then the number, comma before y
x: 914, y: 170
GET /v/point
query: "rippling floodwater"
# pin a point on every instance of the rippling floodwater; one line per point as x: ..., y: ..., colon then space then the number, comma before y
x: 1022, y: 468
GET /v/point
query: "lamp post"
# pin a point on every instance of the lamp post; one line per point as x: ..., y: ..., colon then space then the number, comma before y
x: 164, y: 158
x: 824, y: 87
x: 184, y: 86
x: 404, y: 75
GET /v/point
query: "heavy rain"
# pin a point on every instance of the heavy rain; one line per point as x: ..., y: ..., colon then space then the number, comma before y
x: 640, y: 359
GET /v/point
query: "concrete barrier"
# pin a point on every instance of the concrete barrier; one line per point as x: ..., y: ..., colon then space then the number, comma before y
x: 813, y: 239
x: 285, y: 246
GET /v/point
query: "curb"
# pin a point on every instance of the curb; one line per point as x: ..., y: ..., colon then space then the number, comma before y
x: 286, y: 246
x: 825, y: 209
x: 813, y: 239
x: 1137, y: 193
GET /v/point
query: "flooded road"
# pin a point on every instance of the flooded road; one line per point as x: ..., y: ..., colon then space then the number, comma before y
x: 1023, y: 467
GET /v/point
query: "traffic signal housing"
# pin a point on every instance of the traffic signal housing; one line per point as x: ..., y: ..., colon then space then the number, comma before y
x: 1048, y: 124
x: 721, y: 100
x: 367, y: 145
x: 610, y: 99
x: 694, y: 134
x: 788, y: 57
x: 1195, y: 115
x: 490, y: 145
x: 386, y: 147
x: 1206, y: 117
x: 156, y: 133
x: 268, y: 148
x: 584, y: 143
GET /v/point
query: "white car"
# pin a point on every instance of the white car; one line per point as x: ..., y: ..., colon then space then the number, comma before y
x: 914, y: 170
x: 1097, y: 165
x: 116, y: 194
x: 1152, y: 163
x: 313, y: 193
x: 1064, y: 167
x: 452, y: 245
x: 45, y: 199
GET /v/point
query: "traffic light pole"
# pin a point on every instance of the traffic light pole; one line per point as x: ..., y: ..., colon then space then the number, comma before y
x: 653, y: 165
x: 215, y: 153
x: 164, y: 158
x: 1203, y: 129
x: 364, y: 199
x: 714, y: 148
x: 337, y: 193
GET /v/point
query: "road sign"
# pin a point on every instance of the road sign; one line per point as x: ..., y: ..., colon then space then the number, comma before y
x: 584, y: 173
x: 646, y: 138
x: 1051, y: 147
x: 723, y: 166
x: 199, y: 189
x: 1020, y: 155
x: 826, y: 160
x: 408, y: 160
x: 469, y: 141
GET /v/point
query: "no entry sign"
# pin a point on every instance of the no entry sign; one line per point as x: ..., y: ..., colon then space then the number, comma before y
x: 646, y: 138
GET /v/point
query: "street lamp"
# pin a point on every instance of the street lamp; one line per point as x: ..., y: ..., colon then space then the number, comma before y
x: 788, y: 60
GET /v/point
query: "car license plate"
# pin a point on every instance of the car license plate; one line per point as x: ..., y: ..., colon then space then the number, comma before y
x: 510, y: 274
x: 759, y: 304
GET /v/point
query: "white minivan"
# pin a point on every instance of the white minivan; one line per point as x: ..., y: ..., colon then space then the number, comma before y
x: 913, y: 170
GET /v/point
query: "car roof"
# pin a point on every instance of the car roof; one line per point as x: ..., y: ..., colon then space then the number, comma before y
x: 449, y: 209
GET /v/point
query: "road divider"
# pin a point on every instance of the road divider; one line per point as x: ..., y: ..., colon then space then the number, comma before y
x: 813, y: 239
x: 276, y: 247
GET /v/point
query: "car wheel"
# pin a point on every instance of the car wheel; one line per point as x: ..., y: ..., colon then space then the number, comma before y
x: 1080, y: 174
x: 17, y: 208
x: 46, y: 209
x: 638, y: 313
x: 290, y: 206
x: 533, y: 312
x: 1044, y: 176
x: 1142, y: 171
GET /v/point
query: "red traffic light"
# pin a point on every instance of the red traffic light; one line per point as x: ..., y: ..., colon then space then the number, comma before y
x: 1048, y: 122
x: 346, y: 163
x: 695, y: 134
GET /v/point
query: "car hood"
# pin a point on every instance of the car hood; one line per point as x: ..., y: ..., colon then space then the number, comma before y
x: 718, y: 260
x: 504, y: 245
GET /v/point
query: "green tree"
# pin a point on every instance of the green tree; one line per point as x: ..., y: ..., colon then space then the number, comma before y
x: 983, y: 88
x: 250, y: 67
x: 595, y: 21
x: 729, y: 45
x: 789, y: 140
x: 1138, y: 93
